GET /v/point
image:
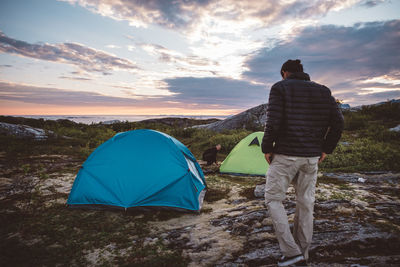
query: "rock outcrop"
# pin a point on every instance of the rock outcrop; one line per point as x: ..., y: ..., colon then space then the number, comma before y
x: 23, y: 131
x: 180, y: 122
x: 252, y: 119
x: 395, y: 129
x: 110, y: 122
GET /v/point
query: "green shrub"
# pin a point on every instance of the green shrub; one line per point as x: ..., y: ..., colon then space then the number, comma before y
x: 383, y: 112
x: 71, y: 132
x: 229, y: 140
x: 182, y: 132
x: 378, y: 132
x: 364, y: 154
x: 199, y: 141
x: 355, y: 121
x: 122, y: 126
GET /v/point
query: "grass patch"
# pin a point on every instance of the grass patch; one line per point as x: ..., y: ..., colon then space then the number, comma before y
x: 215, y: 194
x: 155, y: 213
x: 241, y: 180
x: 345, y: 187
x: 329, y: 180
x: 342, y: 195
x: 154, y: 255
x: 206, y: 210
x: 368, y: 199
x: 38, y: 234
x: 247, y: 192
x: 364, y: 154
x: 387, y: 226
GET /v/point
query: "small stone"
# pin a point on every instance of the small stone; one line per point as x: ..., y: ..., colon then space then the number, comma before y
x: 267, y: 221
x: 259, y: 190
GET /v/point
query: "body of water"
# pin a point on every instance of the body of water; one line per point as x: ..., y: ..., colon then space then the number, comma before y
x: 89, y: 119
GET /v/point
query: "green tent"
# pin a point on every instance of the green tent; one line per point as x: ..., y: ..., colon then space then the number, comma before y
x: 246, y: 157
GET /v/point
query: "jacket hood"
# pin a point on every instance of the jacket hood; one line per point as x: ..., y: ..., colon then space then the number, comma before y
x: 299, y: 76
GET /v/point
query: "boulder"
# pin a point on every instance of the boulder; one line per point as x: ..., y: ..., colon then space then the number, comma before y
x: 23, y: 131
x: 250, y: 119
x: 259, y: 191
x: 110, y: 122
x: 395, y: 129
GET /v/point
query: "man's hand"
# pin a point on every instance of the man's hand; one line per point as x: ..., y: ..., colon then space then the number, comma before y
x: 323, y: 156
x: 268, y: 157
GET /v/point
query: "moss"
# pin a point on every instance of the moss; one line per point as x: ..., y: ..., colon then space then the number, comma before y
x: 342, y: 195
x: 329, y: 180
x: 247, y: 192
x: 64, y: 235
x: 241, y: 180
x: 153, y: 255
x: 387, y: 226
x: 368, y: 199
x: 215, y: 194
x: 364, y: 154
x: 206, y: 210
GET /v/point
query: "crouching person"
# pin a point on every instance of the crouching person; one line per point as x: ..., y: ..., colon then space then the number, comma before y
x: 210, y: 155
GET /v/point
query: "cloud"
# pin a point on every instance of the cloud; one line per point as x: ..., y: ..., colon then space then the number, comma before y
x: 215, y: 30
x: 340, y: 57
x: 78, y: 55
x: 28, y: 95
x: 171, y: 56
x: 382, y: 96
x: 113, y: 46
x: 55, y: 96
x: 372, y: 3
x: 370, y: 98
x: 222, y: 92
x: 167, y: 13
x: 179, y: 14
x: 75, y: 78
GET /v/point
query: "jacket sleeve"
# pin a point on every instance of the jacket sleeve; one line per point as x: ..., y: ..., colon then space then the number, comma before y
x: 336, y: 124
x: 274, y: 119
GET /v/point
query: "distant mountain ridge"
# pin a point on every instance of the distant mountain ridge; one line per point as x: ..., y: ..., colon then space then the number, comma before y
x: 250, y: 119
x: 255, y: 118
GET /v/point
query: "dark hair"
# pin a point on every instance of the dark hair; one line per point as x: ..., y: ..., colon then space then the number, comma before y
x: 292, y: 66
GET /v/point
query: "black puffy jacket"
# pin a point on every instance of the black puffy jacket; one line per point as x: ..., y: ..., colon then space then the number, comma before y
x: 303, y: 118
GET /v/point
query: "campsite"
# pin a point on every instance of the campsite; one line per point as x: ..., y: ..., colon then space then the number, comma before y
x: 357, y: 210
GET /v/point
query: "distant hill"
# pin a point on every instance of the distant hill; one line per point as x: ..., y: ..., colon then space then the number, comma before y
x: 344, y: 106
x: 255, y: 118
x: 179, y: 122
x: 251, y: 119
x: 392, y: 101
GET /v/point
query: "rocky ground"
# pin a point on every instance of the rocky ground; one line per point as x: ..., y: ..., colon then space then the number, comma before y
x: 357, y: 223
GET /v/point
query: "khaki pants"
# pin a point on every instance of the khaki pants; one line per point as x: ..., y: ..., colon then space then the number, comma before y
x: 302, y: 172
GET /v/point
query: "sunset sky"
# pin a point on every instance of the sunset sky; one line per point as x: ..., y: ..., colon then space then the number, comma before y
x: 204, y: 57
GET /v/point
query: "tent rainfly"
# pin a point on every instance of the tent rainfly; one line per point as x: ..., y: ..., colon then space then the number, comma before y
x: 140, y: 168
x: 246, y: 158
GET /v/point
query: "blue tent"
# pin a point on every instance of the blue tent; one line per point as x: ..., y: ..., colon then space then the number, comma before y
x: 137, y: 169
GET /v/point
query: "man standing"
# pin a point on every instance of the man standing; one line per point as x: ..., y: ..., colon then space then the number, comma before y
x: 210, y: 155
x: 303, y: 125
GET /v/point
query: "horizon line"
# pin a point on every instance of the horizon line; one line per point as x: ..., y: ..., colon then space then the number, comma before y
x: 112, y: 115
